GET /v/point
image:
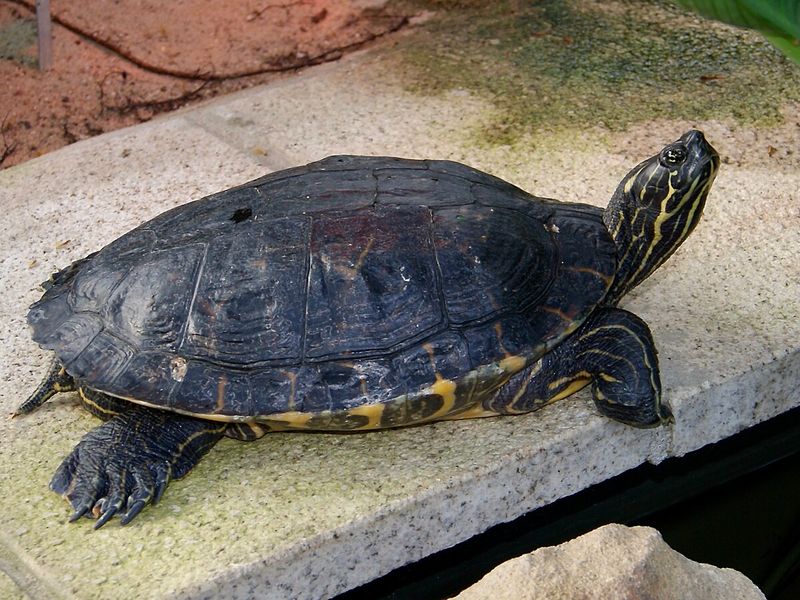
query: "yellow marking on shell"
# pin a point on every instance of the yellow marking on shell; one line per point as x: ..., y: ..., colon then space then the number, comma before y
x: 446, y: 388
x: 292, y: 377
x: 292, y: 419
x: 443, y: 387
x: 256, y: 430
x: 373, y: 412
x: 363, y: 256
x: 491, y: 400
x: 221, y: 384
x: 476, y: 412
x: 431, y: 354
x: 181, y: 411
x: 558, y: 312
x: 607, y: 279
x: 94, y: 404
x: 512, y: 364
x: 352, y: 272
x: 498, y: 331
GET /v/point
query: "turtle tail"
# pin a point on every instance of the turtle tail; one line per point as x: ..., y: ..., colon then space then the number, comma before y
x: 56, y: 380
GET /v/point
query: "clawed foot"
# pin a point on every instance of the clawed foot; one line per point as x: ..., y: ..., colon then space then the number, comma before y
x: 100, y: 480
x: 126, y: 463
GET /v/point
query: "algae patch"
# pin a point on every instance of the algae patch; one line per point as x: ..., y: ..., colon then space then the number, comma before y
x: 16, y: 40
x: 570, y: 65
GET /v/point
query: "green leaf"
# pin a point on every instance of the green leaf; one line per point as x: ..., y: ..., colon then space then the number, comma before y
x: 790, y: 48
x: 778, y: 20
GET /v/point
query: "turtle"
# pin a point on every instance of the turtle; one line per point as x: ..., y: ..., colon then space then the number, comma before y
x: 351, y: 294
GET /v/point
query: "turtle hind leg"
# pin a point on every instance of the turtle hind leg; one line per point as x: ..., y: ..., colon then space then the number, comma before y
x: 613, y: 351
x: 55, y: 381
x: 127, y: 462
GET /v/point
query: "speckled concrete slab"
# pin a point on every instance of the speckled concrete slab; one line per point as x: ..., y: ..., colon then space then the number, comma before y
x: 312, y: 515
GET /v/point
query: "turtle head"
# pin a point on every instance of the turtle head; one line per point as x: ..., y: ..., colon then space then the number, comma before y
x: 657, y: 206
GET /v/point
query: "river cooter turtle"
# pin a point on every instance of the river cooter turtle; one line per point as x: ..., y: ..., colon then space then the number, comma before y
x: 354, y: 293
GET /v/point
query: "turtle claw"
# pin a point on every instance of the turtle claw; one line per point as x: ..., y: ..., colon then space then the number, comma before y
x: 133, y: 510
x: 107, y: 513
x: 162, y: 479
x: 143, y: 492
x: 108, y: 506
x: 79, y: 512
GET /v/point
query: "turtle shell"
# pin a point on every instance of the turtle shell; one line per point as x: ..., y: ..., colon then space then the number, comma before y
x: 348, y: 283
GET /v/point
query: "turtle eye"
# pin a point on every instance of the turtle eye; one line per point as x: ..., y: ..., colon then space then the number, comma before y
x: 674, y: 156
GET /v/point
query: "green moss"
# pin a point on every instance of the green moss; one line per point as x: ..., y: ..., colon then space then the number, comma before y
x: 565, y: 64
x: 16, y: 39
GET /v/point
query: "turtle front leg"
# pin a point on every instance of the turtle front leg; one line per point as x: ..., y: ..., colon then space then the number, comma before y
x: 614, y: 351
x: 127, y: 462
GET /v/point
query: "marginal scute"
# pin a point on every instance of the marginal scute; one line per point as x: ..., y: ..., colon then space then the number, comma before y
x: 68, y: 337
x: 102, y: 360
x: 147, y: 376
x: 317, y: 192
x: 366, y: 164
x: 445, y: 355
x: 421, y: 188
x: 208, y: 389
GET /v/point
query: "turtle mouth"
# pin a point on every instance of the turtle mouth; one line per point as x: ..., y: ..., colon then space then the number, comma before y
x: 700, y: 151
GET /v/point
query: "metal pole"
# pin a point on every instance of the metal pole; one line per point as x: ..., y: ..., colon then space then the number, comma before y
x: 44, y: 33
